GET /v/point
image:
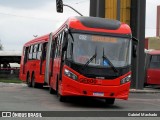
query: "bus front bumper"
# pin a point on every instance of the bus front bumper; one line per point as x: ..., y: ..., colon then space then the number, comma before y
x: 100, y: 91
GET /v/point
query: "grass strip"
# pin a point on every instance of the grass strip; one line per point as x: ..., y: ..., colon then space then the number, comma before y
x: 10, y: 80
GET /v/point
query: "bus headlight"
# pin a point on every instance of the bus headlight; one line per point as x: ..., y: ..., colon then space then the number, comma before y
x: 70, y: 74
x: 126, y: 79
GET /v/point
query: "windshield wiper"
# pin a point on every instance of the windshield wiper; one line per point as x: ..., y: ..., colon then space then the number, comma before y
x: 90, y: 60
x: 110, y: 63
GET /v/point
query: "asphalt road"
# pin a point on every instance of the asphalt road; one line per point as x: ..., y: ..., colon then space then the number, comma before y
x: 18, y: 97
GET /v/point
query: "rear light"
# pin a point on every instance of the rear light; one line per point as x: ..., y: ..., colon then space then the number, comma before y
x: 70, y: 74
x: 126, y: 79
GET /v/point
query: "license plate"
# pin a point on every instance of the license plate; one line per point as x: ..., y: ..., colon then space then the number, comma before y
x: 98, y: 94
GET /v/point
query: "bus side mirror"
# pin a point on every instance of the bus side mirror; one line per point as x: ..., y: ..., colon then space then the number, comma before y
x: 65, y: 41
x: 134, y: 47
x: 59, y: 6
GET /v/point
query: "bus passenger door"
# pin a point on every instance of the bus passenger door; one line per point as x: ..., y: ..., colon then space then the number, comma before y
x: 53, y: 46
x: 58, y: 63
x: 43, y: 59
x: 153, y: 70
x: 48, y: 64
x: 25, y: 59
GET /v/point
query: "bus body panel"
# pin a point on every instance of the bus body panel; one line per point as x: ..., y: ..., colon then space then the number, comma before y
x: 79, y: 89
x: 56, y: 72
x: 33, y: 65
x: 153, y: 76
x: 152, y: 67
x: 22, y: 68
x: 105, y: 88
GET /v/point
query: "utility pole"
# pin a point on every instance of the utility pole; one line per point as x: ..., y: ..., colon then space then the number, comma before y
x: 59, y: 7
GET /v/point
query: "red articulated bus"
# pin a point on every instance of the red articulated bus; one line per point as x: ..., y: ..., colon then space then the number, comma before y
x: 152, y: 67
x: 33, y: 61
x: 87, y: 56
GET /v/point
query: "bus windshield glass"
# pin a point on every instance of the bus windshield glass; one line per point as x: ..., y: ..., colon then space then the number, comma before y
x: 92, y: 50
x: 155, y: 62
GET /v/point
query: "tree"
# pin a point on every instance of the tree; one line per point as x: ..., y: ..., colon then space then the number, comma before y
x: 1, y: 47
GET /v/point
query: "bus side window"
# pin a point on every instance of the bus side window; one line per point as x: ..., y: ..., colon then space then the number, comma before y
x: 62, y: 37
x: 70, y: 47
x: 25, y: 53
x: 59, y: 44
x: 155, y: 61
x: 53, y: 46
x: 35, y: 51
x: 30, y: 52
x: 44, y: 51
x: 39, y: 51
x: 56, y: 48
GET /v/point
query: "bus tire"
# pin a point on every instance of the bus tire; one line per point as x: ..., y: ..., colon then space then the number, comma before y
x: 40, y: 85
x: 34, y: 84
x: 145, y: 84
x: 60, y: 97
x: 51, y: 90
x: 110, y: 101
x: 28, y: 81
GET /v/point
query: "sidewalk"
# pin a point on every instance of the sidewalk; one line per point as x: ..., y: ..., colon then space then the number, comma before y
x: 146, y: 90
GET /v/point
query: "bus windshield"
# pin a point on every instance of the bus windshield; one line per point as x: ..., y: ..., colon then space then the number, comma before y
x: 102, y: 51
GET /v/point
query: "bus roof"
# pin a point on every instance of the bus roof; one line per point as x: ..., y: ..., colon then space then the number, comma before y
x: 43, y: 38
x: 154, y: 52
x: 88, y: 24
x: 103, y: 25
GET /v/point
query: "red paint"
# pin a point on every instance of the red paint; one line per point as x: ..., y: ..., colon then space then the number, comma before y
x: 153, y: 74
x: 33, y: 66
x: 71, y: 87
x: 146, y: 43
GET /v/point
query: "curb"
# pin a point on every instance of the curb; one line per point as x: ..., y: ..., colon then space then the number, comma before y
x: 144, y: 91
x: 12, y: 84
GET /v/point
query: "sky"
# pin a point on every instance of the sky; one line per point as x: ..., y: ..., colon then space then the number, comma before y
x: 20, y: 20
x: 151, y: 17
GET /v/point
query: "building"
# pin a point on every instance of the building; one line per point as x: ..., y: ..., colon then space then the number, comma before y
x: 131, y: 12
x: 158, y: 21
x: 9, y: 63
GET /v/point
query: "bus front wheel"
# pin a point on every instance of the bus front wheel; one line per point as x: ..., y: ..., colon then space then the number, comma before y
x: 60, y: 97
